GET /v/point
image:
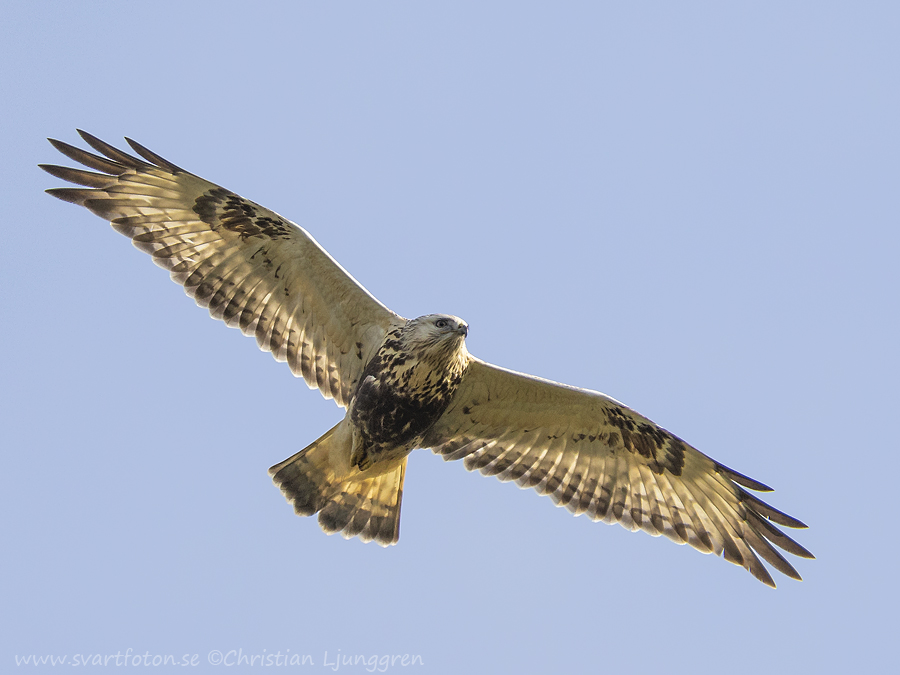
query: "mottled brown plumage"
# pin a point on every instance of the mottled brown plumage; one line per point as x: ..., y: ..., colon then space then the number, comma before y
x: 406, y: 387
x: 411, y: 383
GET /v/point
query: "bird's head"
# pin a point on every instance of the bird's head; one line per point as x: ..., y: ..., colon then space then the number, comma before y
x: 440, y: 333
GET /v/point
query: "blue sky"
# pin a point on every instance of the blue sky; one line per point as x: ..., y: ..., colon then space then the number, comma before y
x: 691, y: 207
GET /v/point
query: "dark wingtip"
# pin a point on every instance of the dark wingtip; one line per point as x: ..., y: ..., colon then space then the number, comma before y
x: 71, y: 195
x: 86, y: 136
x: 800, y: 551
x: 762, y: 574
x: 151, y: 156
x: 741, y: 479
x: 78, y: 176
x: 91, y: 161
x: 62, y: 146
x: 112, y: 152
x: 760, y: 507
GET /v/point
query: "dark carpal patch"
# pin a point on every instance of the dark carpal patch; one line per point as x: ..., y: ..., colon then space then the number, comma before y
x: 223, y: 209
x: 665, y: 451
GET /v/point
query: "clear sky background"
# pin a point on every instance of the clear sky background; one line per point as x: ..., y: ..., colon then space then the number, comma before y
x: 692, y: 207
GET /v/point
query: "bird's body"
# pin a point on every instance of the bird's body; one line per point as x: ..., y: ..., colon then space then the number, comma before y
x: 406, y: 387
x: 411, y: 383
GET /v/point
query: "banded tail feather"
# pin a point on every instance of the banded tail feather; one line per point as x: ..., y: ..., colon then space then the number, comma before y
x: 364, y: 504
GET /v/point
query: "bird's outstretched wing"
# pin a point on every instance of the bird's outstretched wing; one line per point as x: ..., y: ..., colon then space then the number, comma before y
x: 252, y: 268
x: 593, y: 455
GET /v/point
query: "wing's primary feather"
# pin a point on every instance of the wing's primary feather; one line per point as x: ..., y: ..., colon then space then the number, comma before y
x: 252, y: 268
x: 593, y: 455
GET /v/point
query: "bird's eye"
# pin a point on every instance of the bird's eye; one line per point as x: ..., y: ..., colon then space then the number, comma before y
x: 442, y: 323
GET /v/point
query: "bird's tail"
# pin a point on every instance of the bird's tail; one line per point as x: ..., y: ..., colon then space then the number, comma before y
x: 355, y: 503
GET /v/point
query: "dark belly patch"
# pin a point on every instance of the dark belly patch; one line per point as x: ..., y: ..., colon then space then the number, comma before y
x: 387, y: 419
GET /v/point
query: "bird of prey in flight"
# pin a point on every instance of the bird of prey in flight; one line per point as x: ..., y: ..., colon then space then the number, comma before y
x: 410, y: 383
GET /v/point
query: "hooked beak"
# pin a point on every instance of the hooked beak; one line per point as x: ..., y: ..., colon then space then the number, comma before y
x: 463, y: 329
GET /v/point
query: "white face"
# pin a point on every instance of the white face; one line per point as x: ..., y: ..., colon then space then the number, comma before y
x: 432, y: 330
